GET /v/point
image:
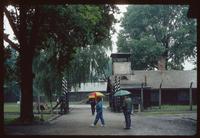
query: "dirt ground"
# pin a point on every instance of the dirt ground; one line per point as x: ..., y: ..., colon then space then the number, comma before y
x: 78, y: 121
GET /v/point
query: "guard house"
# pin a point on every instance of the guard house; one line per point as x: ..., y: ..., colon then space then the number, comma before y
x: 150, y: 88
x: 121, y: 64
x: 122, y: 78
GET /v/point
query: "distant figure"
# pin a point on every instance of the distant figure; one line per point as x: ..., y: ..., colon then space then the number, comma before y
x: 99, y: 115
x: 127, y: 109
x: 62, y: 105
x: 57, y: 102
x: 66, y: 100
x: 62, y: 102
x: 92, y: 103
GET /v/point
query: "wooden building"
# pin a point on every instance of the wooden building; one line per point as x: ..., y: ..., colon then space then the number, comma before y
x: 153, y: 87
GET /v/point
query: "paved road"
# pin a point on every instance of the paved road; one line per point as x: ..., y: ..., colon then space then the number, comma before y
x: 78, y: 121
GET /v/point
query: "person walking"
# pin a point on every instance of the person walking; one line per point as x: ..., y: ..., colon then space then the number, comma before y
x: 92, y: 103
x: 127, y: 109
x: 99, y: 111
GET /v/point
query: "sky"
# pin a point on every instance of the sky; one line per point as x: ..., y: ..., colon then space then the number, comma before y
x: 187, y: 65
x: 117, y: 25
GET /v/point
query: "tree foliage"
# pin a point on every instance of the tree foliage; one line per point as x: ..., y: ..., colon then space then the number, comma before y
x: 74, y: 45
x: 89, y: 64
x: 67, y: 26
x: 11, y: 80
x: 154, y: 31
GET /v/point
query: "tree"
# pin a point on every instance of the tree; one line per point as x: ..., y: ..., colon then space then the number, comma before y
x: 1, y: 73
x: 89, y: 64
x: 154, y: 32
x: 47, y: 80
x: 11, y: 72
x: 69, y: 26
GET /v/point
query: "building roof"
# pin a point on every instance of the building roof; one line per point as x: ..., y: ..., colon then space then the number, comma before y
x: 171, y: 79
x: 120, y: 55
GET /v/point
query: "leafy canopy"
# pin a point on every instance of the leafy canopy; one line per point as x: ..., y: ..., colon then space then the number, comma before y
x: 155, y: 31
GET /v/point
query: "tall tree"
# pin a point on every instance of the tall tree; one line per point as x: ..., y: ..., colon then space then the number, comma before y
x: 69, y: 25
x: 1, y: 71
x: 47, y: 80
x: 77, y: 70
x: 158, y: 33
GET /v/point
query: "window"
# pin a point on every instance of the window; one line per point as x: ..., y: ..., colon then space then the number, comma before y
x: 124, y: 78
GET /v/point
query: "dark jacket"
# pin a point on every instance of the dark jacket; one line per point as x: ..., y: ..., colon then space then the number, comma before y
x: 127, y: 105
x: 92, y: 102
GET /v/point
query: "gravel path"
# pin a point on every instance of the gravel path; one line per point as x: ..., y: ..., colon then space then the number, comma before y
x: 78, y: 121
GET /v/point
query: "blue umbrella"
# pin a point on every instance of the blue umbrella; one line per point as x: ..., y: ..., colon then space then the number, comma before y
x: 122, y: 93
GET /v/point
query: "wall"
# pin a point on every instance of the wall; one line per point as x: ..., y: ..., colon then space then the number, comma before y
x: 121, y: 68
x: 173, y: 96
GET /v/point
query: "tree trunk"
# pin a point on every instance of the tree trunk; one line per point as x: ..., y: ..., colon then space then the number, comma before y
x: 26, y: 59
x: 51, y: 101
x: 38, y: 102
x: 1, y: 72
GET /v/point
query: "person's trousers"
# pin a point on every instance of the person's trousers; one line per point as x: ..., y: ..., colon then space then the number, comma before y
x: 93, y: 109
x: 127, y: 116
x: 99, y: 115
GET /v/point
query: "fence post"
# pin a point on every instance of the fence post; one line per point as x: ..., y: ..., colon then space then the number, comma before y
x: 139, y: 108
x: 142, y: 98
x: 160, y: 93
x: 191, y: 96
x: 38, y: 102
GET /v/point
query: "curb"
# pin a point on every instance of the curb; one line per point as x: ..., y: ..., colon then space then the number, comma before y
x: 189, y: 118
x: 53, y: 118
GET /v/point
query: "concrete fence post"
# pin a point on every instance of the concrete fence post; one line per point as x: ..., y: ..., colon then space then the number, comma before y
x: 160, y: 94
x: 142, y: 97
x: 190, y: 96
x: 139, y: 108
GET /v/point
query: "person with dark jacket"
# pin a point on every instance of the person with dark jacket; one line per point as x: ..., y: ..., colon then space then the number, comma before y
x: 127, y: 109
x: 99, y: 111
x: 92, y: 103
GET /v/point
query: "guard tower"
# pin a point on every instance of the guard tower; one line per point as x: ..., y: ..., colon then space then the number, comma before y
x: 121, y: 72
x: 121, y: 64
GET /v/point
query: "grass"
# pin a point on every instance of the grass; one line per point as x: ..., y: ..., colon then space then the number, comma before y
x: 168, y: 110
x: 172, y: 108
x: 11, y: 107
x: 12, y: 113
x: 162, y: 113
x: 11, y: 118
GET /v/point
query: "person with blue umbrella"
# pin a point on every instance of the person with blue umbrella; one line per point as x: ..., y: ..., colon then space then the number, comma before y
x: 126, y: 106
x: 127, y: 109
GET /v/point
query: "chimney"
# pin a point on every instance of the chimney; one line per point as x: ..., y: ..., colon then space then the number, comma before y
x: 161, y: 63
